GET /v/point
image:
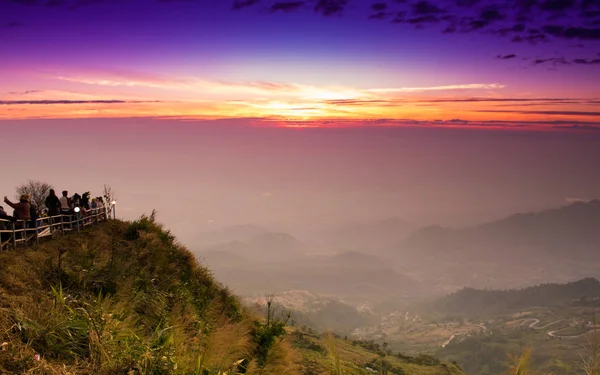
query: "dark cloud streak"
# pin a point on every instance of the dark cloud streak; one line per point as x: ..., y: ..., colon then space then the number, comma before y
x: 49, y: 102
x: 330, y: 7
x: 529, y: 21
x: 548, y: 113
x: 240, y: 4
x: 286, y: 6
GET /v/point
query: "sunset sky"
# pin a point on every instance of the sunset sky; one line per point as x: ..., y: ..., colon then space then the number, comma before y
x: 304, y: 113
x: 477, y: 60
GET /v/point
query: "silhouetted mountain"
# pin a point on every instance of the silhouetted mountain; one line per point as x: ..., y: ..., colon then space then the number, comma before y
x: 470, y: 301
x: 263, y: 248
x: 570, y: 231
x: 278, y: 262
x: 223, y: 258
x: 368, y: 237
x: 553, y: 245
x: 228, y: 234
x: 355, y: 259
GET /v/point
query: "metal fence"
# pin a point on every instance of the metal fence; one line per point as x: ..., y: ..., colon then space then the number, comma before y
x: 27, y: 232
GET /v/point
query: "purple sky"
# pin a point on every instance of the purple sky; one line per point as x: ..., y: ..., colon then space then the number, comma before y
x: 434, y: 111
x: 286, y: 59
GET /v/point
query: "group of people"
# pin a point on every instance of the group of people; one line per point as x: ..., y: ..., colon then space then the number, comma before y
x: 66, y: 205
x: 26, y: 210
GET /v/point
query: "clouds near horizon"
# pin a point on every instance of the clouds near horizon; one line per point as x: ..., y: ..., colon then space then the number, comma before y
x: 301, y: 60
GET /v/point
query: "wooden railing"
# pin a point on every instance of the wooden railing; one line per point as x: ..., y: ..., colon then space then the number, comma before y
x: 14, y: 233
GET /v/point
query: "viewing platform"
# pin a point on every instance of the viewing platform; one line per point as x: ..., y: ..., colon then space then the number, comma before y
x: 28, y: 233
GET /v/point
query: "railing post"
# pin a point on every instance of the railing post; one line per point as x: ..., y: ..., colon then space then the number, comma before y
x: 62, y: 224
x: 37, y: 237
x: 77, y: 218
x: 14, y: 236
x: 24, y: 231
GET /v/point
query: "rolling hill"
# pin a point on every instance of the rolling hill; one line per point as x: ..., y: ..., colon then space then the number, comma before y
x: 570, y: 231
x: 470, y: 301
x: 263, y: 248
x: 555, y: 245
x: 369, y: 237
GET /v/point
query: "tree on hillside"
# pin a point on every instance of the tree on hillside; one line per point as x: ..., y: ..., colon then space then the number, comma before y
x: 37, y: 190
x: 108, y: 194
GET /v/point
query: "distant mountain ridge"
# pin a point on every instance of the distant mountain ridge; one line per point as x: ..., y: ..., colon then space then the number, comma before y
x: 574, y: 229
x: 264, y: 247
x: 471, y: 301
x: 555, y: 245
x: 241, y: 232
x: 367, y: 237
x: 278, y: 262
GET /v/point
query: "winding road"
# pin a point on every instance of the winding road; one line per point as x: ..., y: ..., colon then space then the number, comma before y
x: 482, y: 326
x: 553, y: 333
x: 533, y: 325
x: 537, y: 321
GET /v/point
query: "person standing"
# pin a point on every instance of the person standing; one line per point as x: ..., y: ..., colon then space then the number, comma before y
x: 22, y: 209
x: 53, y: 204
x: 65, y: 203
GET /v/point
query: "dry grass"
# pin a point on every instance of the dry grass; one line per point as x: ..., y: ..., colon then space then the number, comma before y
x: 590, y: 359
x: 520, y: 364
x: 123, y: 298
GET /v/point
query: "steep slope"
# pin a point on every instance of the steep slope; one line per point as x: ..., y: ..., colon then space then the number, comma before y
x: 125, y: 298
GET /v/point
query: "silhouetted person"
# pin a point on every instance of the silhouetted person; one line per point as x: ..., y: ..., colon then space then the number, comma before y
x: 4, y: 225
x: 85, y: 201
x: 22, y: 209
x: 76, y: 200
x: 33, y: 215
x: 53, y: 204
x: 3, y: 214
x: 65, y: 203
x: 99, y: 202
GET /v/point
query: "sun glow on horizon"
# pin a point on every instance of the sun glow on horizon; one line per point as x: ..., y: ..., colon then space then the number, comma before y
x: 118, y: 94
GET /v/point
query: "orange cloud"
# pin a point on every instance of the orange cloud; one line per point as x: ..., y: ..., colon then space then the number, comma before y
x: 134, y: 94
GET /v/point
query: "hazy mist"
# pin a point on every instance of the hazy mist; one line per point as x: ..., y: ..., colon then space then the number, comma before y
x: 204, y: 176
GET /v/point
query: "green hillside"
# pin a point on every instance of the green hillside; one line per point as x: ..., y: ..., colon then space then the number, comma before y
x: 469, y: 301
x: 126, y: 298
x: 325, y: 354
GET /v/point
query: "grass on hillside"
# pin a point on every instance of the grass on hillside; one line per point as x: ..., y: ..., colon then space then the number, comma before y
x: 326, y: 354
x: 126, y: 298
